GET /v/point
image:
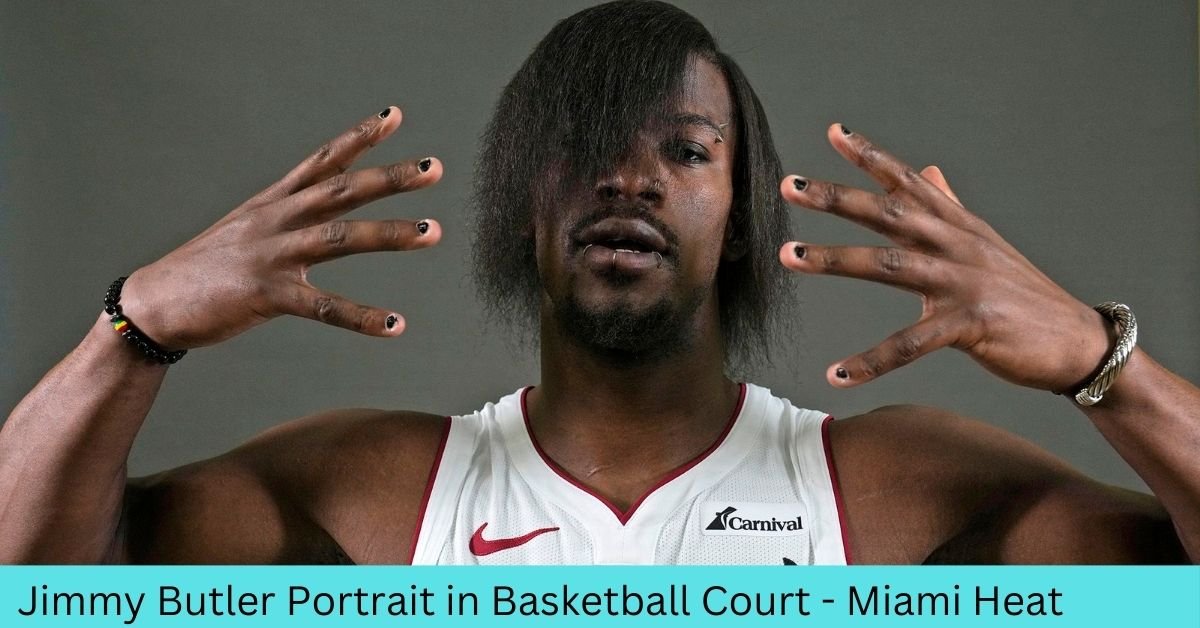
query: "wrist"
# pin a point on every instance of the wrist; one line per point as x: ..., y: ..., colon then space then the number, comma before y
x: 1099, y: 342
x: 140, y: 311
x: 103, y: 340
x: 131, y: 333
x: 1124, y: 324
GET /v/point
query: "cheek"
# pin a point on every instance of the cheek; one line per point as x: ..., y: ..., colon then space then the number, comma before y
x: 706, y: 217
x: 546, y: 254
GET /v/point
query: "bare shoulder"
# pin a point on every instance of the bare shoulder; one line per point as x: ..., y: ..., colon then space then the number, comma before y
x: 927, y: 485
x: 339, y: 486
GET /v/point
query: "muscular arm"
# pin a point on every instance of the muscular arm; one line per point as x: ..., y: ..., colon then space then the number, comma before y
x: 336, y: 487
x: 63, y: 491
x: 1152, y: 418
x: 63, y: 452
x: 927, y: 486
x: 339, y: 487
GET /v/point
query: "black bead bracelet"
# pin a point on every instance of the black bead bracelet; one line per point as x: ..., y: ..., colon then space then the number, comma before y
x: 134, y: 336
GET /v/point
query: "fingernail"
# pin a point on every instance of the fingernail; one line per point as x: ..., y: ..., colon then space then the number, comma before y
x: 385, y: 113
x: 800, y: 183
x: 841, y: 372
x: 845, y: 129
x: 391, y: 321
x: 425, y: 164
x: 799, y: 251
x: 422, y: 227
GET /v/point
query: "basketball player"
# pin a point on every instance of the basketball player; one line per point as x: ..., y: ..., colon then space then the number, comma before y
x: 631, y: 206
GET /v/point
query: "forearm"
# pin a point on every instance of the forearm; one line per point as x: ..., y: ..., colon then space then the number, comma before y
x: 1152, y: 418
x: 63, y: 452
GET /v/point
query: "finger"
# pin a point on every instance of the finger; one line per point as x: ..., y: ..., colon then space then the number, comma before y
x: 889, y: 215
x: 897, y: 350
x: 339, y: 238
x: 891, y: 173
x: 350, y: 190
x: 887, y: 265
x: 331, y: 309
x: 934, y: 175
x: 335, y: 156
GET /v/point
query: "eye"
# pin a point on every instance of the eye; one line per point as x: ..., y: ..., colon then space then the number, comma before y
x: 686, y: 152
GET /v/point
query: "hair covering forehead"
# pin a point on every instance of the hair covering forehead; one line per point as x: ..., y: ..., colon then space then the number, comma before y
x: 604, y: 74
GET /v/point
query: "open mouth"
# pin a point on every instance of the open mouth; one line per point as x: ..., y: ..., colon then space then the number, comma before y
x: 624, y: 235
x: 622, y: 245
x: 625, y: 246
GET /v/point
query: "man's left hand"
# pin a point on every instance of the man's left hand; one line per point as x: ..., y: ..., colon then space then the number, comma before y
x: 978, y: 293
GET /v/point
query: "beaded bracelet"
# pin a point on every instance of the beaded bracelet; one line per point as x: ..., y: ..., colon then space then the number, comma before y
x: 131, y: 334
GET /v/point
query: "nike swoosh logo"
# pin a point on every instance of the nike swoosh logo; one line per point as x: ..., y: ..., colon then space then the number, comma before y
x: 482, y: 547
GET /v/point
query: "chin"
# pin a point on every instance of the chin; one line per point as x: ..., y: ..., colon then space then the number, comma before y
x: 620, y: 328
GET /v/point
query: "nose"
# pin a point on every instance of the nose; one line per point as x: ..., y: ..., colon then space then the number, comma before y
x: 633, y: 180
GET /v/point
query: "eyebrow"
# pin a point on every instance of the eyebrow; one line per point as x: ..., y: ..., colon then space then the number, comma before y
x: 695, y: 119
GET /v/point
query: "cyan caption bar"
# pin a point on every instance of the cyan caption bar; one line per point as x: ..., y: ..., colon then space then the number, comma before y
x: 630, y: 596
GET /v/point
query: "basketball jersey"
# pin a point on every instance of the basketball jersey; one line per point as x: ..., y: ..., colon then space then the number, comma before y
x: 764, y: 493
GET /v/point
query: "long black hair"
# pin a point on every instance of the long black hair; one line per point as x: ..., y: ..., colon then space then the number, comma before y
x: 576, y: 106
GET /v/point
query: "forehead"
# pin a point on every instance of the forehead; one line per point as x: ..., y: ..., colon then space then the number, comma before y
x: 705, y: 91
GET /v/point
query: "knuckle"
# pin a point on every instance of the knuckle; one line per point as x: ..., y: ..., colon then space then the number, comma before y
x: 872, y: 365
x: 323, y: 153
x: 890, y: 260
x: 333, y: 234
x: 338, y: 185
x: 363, y: 131
x: 982, y: 313
x: 325, y: 309
x: 391, y: 234
x: 908, y: 347
x: 397, y: 177
x: 893, y: 207
x: 362, y: 319
x: 830, y: 196
x: 908, y: 176
x: 831, y: 260
x: 869, y: 156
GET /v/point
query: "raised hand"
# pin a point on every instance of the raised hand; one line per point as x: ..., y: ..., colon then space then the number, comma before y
x: 978, y: 294
x: 252, y: 265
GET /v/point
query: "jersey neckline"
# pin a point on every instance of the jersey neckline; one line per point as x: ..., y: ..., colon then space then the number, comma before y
x: 623, y: 517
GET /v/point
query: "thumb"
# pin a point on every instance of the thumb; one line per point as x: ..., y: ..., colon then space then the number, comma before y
x: 934, y: 175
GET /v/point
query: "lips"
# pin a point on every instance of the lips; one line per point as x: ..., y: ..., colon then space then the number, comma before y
x: 624, y: 235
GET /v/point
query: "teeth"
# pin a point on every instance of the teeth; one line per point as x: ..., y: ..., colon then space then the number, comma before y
x: 626, y: 251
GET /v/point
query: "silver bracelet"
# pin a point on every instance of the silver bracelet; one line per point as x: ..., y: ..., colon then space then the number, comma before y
x: 1120, y: 314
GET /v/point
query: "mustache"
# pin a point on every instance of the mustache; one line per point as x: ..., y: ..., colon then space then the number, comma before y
x: 632, y: 212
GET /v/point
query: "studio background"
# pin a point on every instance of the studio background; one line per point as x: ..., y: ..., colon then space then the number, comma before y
x: 126, y: 128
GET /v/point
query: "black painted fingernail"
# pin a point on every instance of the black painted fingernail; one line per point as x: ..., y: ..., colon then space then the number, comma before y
x: 422, y: 227
x: 799, y: 251
x: 425, y: 164
x: 385, y: 113
x: 800, y: 183
x: 845, y: 129
x: 841, y: 372
x: 391, y: 321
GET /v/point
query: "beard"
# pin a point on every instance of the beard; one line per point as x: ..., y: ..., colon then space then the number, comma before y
x: 618, y: 331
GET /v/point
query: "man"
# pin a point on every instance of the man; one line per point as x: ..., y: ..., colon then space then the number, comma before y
x: 630, y: 204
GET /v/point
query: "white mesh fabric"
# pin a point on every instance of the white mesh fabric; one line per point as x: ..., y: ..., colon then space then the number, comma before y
x: 773, y: 458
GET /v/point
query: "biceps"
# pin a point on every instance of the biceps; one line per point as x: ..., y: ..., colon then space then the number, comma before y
x: 1083, y: 521
x: 215, y: 514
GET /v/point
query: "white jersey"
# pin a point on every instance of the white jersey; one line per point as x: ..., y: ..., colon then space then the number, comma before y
x: 764, y: 493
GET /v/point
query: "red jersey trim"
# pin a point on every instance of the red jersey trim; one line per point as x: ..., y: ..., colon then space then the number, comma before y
x: 624, y: 517
x: 838, y: 501
x: 433, y: 472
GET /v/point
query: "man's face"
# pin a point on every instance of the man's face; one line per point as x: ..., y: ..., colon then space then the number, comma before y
x: 628, y: 262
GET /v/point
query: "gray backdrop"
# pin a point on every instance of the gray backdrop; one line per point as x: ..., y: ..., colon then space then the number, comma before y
x: 127, y: 128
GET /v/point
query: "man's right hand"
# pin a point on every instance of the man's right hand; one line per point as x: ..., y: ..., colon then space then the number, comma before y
x: 252, y: 265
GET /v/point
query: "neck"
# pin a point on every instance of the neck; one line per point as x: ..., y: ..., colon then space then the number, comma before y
x: 619, y: 424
